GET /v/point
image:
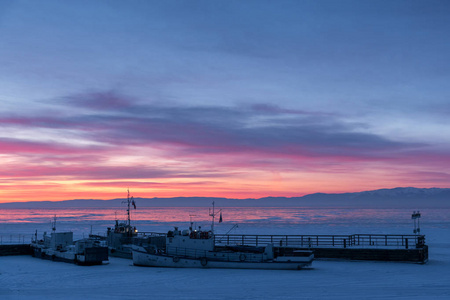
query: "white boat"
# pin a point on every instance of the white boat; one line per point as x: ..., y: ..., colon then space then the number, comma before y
x: 197, y: 249
x: 59, y: 246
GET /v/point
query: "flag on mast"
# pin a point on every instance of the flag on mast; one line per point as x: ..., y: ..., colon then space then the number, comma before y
x: 220, y: 219
x: 132, y: 202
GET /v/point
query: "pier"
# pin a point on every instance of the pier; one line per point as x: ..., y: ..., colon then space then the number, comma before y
x: 383, y: 247
x: 15, y: 249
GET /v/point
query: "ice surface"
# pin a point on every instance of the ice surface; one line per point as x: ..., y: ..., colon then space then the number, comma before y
x: 25, y: 277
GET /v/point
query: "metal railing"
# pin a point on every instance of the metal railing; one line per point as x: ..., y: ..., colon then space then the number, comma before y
x: 186, y: 252
x: 15, y: 239
x: 149, y: 233
x: 324, y: 241
x: 214, y: 255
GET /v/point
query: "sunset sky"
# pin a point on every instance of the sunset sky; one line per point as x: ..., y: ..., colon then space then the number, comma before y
x: 233, y: 99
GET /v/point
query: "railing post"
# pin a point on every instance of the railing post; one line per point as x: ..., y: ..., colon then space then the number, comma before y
x: 317, y: 240
x: 256, y: 241
x: 406, y: 243
x: 420, y: 242
x: 332, y: 238
x: 242, y: 240
x: 345, y: 243
x: 385, y: 240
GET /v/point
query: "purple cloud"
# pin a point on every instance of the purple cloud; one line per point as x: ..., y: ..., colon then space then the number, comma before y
x: 117, y: 121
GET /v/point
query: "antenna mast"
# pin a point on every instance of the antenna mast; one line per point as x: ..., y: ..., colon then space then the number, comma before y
x: 416, y: 216
x: 54, y: 224
x: 128, y: 207
x: 191, y: 228
x: 213, y: 215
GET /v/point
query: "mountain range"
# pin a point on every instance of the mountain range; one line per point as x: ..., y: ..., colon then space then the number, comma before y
x: 409, y: 197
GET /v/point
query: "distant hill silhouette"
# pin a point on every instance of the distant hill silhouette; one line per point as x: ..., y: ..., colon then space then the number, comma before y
x: 414, y: 198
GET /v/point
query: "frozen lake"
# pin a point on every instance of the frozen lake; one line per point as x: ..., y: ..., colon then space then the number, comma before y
x: 258, y: 220
x: 24, y: 277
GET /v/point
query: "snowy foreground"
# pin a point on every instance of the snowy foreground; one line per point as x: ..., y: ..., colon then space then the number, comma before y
x: 25, y: 277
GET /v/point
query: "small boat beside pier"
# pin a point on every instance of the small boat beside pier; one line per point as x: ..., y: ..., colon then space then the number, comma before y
x: 60, y: 246
x: 123, y: 236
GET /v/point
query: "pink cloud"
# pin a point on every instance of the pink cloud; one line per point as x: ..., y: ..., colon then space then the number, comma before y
x: 207, y: 143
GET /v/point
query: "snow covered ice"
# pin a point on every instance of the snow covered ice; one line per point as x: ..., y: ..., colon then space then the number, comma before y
x: 25, y: 277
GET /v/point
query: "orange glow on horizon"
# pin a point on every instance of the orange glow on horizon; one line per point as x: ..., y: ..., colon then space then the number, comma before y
x: 264, y: 185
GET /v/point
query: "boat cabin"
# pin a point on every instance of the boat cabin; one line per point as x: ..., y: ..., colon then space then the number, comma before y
x: 58, y: 240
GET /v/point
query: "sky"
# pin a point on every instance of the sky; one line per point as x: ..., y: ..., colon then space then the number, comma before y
x: 237, y: 99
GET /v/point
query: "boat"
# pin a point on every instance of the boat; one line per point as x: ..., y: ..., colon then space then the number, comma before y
x: 193, y: 248
x: 60, y: 246
x: 121, y: 238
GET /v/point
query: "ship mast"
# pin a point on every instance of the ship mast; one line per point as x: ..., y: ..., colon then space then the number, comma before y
x: 54, y: 224
x: 128, y: 207
x: 213, y: 215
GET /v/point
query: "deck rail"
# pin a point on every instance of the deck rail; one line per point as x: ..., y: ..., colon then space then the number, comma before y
x: 185, y: 252
x: 15, y: 239
x: 324, y: 241
x: 223, y: 256
x: 150, y: 233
